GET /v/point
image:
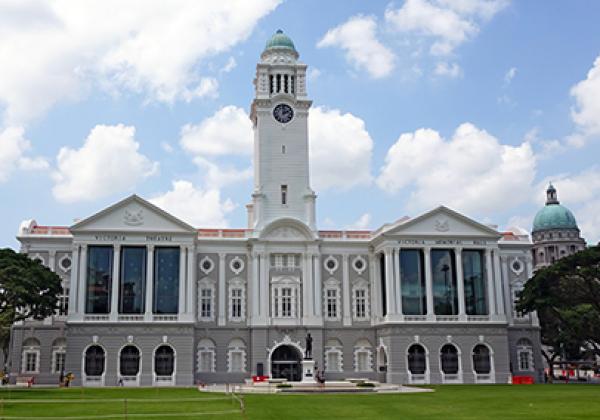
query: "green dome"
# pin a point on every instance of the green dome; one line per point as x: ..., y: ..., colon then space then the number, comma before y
x: 554, y: 216
x: 280, y: 40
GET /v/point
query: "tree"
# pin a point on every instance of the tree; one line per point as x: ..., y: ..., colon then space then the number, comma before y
x: 28, y: 289
x: 566, y: 296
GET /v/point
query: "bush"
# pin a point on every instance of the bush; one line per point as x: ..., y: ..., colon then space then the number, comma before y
x: 365, y: 385
x: 284, y: 386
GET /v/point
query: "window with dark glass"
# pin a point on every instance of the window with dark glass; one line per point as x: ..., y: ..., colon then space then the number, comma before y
x: 412, y: 284
x: 416, y: 360
x: 474, y: 278
x: 445, y: 297
x: 166, y: 280
x: 481, y: 359
x: 129, y: 361
x: 99, y: 279
x: 132, y: 287
x: 164, y: 361
x: 94, y: 361
x: 449, y: 359
x: 284, y: 190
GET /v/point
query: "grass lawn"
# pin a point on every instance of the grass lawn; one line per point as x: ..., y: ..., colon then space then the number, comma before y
x: 447, y: 402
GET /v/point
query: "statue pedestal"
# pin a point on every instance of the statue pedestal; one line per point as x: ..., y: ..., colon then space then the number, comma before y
x: 308, y: 371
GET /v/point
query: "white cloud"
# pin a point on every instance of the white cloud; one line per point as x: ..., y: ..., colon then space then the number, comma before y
x: 108, y: 162
x: 227, y: 132
x: 471, y: 172
x: 451, y: 70
x: 196, y: 206
x: 586, y: 112
x: 313, y: 74
x: 363, y: 50
x: 340, y: 150
x: 510, y: 75
x: 448, y: 22
x: 230, y: 65
x: 13, y: 147
x: 56, y: 51
x: 207, y: 87
x: 217, y: 176
x: 166, y: 146
x: 362, y: 223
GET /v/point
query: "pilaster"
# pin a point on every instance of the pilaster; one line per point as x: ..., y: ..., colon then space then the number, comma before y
x: 347, y: 317
x: 429, y: 284
x: 462, y: 315
x: 115, y: 283
x: 222, y: 290
x: 149, y: 304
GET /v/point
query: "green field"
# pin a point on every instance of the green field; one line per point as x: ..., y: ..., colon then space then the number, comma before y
x: 447, y: 402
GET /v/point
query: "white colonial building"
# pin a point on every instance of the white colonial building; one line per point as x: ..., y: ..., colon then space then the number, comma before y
x: 150, y: 300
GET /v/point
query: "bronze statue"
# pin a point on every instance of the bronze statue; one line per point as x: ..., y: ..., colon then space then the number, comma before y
x: 308, y: 354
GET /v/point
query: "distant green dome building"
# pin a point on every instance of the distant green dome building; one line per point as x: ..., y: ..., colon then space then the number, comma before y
x: 280, y: 40
x: 555, y: 232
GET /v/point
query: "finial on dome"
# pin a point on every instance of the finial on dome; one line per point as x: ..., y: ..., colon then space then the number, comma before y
x: 551, y: 195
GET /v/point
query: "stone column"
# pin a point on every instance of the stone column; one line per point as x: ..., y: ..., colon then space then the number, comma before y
x: 191, y: 284
x: 255, y: 288
x: 222, y: 289
x: 490, y: 281
x: 307, y: 293
x: 460, y: 281
x: 115, y: 283
x: 264, y: 287
x: 498, y: 283
x: 397, y: 281
x: 82, y: 279
x: 182, y: 269
x: 318, y: 291
x: 149, y: 304
x: 506, y: 286
x: 429, y: 283
x: 389, y: 284
x: 74, y: 282
x: 375, y: 286
x: 52, y: 260
x: 347, y: 316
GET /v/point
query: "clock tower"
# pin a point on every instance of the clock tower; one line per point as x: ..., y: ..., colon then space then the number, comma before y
x: 279, y: 115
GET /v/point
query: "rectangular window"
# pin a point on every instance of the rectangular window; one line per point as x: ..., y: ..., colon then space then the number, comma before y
x: 31, y: 362
x: 291, y: 261
x: 99, y: 279
x: 523, y: 360
x: 473, y: 262
x: 236, y: 303
x: 332, y: 304
x: 206, y: 303
x: 445, y: 296
x: 414, y: 295
x: 284, y: 191
x: 63, y: 302
x: 360, y: 303
x: 237, y: 364
x: 132, y: 282
x: 286, y: 302
x: 206, y: 361
x: 166, y: 280
x: 363, y: 361
x: 333, y: 363
x: 59, y: 362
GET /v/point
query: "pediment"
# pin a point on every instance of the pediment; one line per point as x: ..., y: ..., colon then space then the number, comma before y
x: 133, y: 214
x: 287, y: 230
x: 442, y: 222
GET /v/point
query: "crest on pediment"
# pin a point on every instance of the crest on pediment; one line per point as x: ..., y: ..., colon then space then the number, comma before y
x: 133, y: 217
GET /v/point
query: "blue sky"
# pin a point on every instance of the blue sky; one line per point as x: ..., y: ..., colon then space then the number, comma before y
x: 475, y: 105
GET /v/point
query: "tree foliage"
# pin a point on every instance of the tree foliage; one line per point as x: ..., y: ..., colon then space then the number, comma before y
x: 28, y: 289
x: 566, y: 296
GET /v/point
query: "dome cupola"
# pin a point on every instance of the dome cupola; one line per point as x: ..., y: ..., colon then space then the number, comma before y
x: 553, y: 215
x: 280, y: 40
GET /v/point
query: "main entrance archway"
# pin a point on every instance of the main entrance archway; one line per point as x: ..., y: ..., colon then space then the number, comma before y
x: 286, y: 362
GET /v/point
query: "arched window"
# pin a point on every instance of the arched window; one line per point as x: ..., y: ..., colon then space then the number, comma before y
x: 333, y: 355
x: 206, y: 355
x: 31, y: 356
x: 129, y: 361
x: 59, y: 353
x: 449, y: 359
x: 236, y: 360
x: 164, y: 361
x: 94, y: 361
x: 417, y: 362
x: 481, y: 360
x: 525, y: 355
x: 363, y: 356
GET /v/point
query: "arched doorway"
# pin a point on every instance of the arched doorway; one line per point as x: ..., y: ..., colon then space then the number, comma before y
x: 286, y: 363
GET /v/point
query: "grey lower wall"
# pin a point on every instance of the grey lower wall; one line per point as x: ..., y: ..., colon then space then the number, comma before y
x: 389, y: 342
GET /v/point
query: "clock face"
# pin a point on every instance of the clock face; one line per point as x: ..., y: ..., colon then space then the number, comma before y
x: 283, y: 113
